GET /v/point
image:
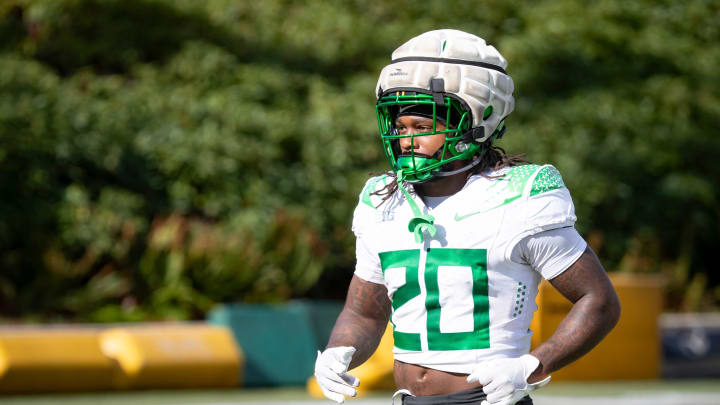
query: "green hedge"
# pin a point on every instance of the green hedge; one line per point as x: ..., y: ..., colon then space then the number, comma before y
x: 160, y: 156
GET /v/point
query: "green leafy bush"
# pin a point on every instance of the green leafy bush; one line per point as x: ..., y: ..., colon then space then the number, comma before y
x: 158, y: 157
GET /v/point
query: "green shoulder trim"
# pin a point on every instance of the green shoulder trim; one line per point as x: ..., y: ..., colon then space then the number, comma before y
x: 518, y: 176
x: 372, y: 186
x: 547, y: 179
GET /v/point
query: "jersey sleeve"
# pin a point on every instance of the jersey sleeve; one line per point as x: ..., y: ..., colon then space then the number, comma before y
x: 367, y: 266
x: 551, y: 252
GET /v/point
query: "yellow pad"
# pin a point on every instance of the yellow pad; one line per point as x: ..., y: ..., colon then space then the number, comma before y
x: 174, y: 356
x: 375, y: 374
x: 47, y: 359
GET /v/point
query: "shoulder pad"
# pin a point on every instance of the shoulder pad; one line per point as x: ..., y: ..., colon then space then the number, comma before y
x: 548, y: 178
x: 518, y: 176
x: 549, y: 204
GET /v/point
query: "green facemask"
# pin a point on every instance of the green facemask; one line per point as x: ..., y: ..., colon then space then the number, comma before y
x: 456, y: 119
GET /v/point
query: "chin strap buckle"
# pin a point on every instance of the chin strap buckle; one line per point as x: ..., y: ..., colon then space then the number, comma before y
x: 420, y: 224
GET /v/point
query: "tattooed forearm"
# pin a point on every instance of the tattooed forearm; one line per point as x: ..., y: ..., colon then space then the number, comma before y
x: 363, y: 319
x: 595, y: 312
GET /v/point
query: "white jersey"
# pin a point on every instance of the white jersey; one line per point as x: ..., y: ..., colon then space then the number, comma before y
x: 458, y: 298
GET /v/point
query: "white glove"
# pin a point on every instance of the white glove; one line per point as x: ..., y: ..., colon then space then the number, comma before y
x: 331, y: 373
x: 505, y: 380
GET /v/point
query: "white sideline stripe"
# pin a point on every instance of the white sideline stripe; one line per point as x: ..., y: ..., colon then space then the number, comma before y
x: 670, y: 320
x: 673, y: 398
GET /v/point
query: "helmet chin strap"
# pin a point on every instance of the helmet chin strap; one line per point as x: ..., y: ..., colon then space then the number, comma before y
x: 462, y: 169
x: 421, y: 222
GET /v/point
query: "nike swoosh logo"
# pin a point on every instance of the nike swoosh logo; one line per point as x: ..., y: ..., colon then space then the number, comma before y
x: 507, y: 201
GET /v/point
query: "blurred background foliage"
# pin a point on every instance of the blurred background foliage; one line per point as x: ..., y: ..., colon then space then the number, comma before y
x: 158, y: 156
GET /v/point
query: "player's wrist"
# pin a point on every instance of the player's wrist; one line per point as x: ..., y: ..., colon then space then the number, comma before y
x: 537, y: 370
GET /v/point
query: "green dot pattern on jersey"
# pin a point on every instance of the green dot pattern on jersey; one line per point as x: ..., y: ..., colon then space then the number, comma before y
x: 548, y: 179
x: 518, y: 176
x: 520, y: 301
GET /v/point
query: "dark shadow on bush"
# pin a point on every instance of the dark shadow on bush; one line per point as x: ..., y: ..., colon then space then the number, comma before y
x: 112, y: 36
x: 566, y: 72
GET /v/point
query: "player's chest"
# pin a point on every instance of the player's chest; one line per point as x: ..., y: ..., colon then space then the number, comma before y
x: 458, y: 226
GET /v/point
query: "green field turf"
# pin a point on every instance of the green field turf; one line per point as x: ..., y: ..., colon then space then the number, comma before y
x: 675, y: 392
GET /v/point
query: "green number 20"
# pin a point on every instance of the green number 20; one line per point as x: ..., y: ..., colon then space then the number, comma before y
x: 476, y: 260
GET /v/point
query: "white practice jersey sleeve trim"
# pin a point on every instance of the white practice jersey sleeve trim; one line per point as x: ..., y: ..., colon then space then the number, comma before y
x: 368, y: 264
x: 550, y: 252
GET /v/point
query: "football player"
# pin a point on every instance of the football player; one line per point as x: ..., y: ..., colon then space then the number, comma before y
x: 453, y: 242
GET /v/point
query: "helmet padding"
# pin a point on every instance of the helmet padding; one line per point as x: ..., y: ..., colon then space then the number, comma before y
x: 468, y: 69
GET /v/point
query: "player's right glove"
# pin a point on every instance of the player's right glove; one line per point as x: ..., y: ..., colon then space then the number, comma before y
x: 505, y: 380
x: 331, y: 373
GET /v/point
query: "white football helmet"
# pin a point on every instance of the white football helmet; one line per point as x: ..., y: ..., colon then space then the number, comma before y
x: 459, y: 80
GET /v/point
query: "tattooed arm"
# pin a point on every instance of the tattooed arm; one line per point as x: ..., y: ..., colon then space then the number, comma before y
x: 363, y: 319
x: 595, y: 312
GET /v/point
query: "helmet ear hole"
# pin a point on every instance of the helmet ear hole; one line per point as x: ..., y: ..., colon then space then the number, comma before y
x: 488, y: 112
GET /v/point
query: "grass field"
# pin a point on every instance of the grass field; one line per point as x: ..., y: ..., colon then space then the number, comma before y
x: 674, y: 392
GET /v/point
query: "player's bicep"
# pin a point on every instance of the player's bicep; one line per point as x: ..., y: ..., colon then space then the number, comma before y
x: 586, y: 277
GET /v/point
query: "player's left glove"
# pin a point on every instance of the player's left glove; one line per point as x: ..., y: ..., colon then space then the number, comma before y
x: 331, y: 374
x: 505, y: 380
